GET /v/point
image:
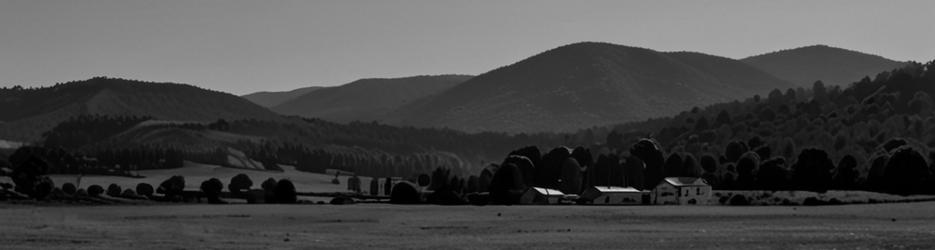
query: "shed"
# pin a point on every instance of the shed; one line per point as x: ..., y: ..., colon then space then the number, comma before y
x: 542, y: 196
x: 614, y: 195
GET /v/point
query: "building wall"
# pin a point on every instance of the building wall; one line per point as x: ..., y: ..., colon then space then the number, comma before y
x: 667, y: 194
x: 618, y: 199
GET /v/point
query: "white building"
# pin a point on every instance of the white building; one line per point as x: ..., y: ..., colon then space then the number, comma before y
x: 611, y: 195
x: 538, y: 195
x: 682, y: 191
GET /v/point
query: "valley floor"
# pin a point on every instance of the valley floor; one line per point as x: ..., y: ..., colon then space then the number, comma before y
x: 873, y: 226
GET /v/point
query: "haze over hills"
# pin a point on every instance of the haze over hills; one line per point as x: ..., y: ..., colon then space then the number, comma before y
x: 366, y: 99
x: 587, y: 84
x: 833, y: 66
x: 26, y: 113
x: 269, y: 99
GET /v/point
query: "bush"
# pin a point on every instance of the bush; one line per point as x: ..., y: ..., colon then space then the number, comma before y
x: 212, y: 190
x: 130, y: 194
x: 95, y: 190
x: 342, y: 200
x: 269, y: 186
x: 69, y: 188
x: 812, y: 201
x: 739, y: 200
x: 284, y: 192
x: 405, y: 193
x: 114, y: 190
x: 144, y: 189
x: 81, y: 192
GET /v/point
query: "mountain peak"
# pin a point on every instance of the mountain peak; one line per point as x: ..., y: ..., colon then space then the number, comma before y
x: 805, y: 65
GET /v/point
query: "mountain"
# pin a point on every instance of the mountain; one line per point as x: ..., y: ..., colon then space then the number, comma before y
x: 270, y: 99
x: 833, y: 66
x: 26, y: 113
x: 366, y: 99
x: 587, y: 84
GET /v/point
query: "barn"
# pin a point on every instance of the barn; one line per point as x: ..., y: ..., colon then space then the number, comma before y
x: 682, y: 191
x: 541, y: 196
x: 612, y: 195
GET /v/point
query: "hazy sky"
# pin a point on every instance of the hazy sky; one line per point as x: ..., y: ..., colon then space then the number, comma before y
x: 246, y: 46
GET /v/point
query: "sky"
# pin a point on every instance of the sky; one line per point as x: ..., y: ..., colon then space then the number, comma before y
x: 241, y: 47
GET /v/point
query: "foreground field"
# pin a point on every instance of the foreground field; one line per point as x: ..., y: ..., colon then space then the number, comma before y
x: 904, y: 225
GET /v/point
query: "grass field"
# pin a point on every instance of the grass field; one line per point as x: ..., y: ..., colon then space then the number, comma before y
x: 869, y: 226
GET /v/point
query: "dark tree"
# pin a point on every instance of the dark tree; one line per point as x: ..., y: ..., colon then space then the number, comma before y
x: 773, y: 174
x: 571, y: 180
x: 507, y: 185
x: 29, y: 168
x: 812, y: 170
x: 240, y: 183
x: 95, y: 190
x: 114, y: 190
x: 549, y: 173
x: 722, y: 118
x: 747, y: 168
x: 69, y: 188
x: 144, y: 189
x: 527, y: 170
x: 212, y: 190
x: 649, y: 151
x: 269, y: 186
x: 285, y: 192
x: 424, y: 180
x: 734, y: 150
x: 173, y: 187
x: 906, y: 172
x: 846, y: 174
x: 690, y: 167
x: 405, y: 193
x: 673, y: 165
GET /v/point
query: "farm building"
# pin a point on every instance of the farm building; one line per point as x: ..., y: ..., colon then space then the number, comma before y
x: 611, y: 195
x: 682, y: 191
x: 538, y: 195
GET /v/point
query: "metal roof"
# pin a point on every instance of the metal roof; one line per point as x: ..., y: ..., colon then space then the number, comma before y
x: 685, y: 181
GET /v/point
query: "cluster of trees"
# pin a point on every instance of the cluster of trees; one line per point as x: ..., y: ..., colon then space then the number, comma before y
x: 83, y: 130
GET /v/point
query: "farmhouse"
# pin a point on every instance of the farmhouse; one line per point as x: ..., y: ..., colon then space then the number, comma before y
x: 682, y: 191
x: 538, y: 195
x: 611, y: 195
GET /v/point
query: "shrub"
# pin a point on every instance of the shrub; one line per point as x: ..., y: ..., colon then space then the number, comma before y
x: 81, y: 192
x: 114, y: 190
x: 739, y: 200
x: 144, y: 189
x: 95, y: 190
x: 69, y: 188
x: 342, y: 200
x: 812, y: 201
x: 129, y: 193
x: 405, y: 192
x: 212, y: 190
x: 240, y: 183
x: 268, y: 190
x: 284, y: 192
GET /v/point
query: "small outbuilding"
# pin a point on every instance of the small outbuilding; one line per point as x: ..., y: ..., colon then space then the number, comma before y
x: 541, y: 196
x: 613, y: 195
x: 682, y: 191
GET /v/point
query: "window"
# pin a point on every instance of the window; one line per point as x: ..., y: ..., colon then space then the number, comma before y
x: 698, y: 191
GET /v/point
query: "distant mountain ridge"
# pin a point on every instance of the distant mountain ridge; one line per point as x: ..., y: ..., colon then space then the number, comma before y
x: 587, y: 84
x: 26, y: 113
x: 367, y: 99
x: 834, y: 66
x: 269, y: 99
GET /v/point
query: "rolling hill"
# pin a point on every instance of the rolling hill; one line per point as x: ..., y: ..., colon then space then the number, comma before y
x: 270, y: 99
x: 587, y: 84
x: 366, y: 99
x: 833, y: 66
x: 26, y: 113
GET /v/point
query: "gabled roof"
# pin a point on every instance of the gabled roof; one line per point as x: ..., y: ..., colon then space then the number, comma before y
x: 685, y: 181
x: 548, y: 191
x: 615, y: 189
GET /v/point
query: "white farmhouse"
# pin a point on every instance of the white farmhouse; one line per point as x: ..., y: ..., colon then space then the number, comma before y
x: 682, y: 191
x: 611, y: 195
